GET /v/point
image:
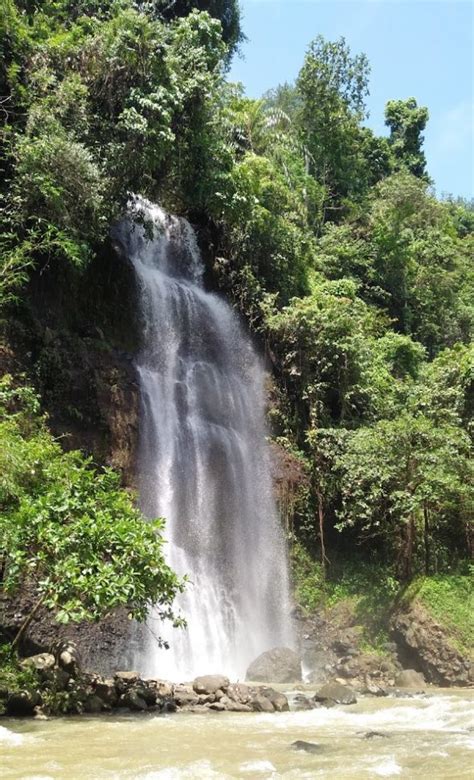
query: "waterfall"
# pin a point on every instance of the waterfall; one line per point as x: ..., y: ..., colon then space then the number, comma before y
x: 204, y: 461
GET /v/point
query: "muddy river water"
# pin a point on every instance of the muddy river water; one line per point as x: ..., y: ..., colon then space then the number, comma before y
x: 426, y: 736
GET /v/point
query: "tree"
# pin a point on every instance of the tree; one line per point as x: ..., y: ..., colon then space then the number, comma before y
x: 69, y: 530
x: 407, y: 121
x: 324, y: 345
x: 404, y: 478
x: 326, y: 446
x: 226, y: 11
x: 332, y: 87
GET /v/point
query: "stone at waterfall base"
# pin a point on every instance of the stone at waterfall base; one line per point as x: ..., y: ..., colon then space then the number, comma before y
x: 279, y: 665
x: 57, y: 691
x: 307, y: 747
x: 335, y: 693
x: 210, y: 683
x: 408, y: 678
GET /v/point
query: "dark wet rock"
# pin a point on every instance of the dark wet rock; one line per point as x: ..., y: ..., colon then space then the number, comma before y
x: 260, y: 703
x: 345, y: 646
x: 409, y: 678
x: 211, y: 683
x: 23, y: 703
x: 374, y: 735
x: 217, y: 706
x: 278, y: 700
x: 308, y: 747
x: 336, y: 693
x: 301, y: 703
x: 207, y: 699
x: 106, y: 691
x: 185, y: 696
x: 143, y: 691
x: 168, y: 705
x: 93, y: 705
x: 280, y: 665
x: 133, y: 701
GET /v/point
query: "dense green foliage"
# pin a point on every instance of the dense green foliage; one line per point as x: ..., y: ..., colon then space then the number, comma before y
x: 329, y: 240
x: 366, y: 591
x: 68, y: 529
x: 450, y: 600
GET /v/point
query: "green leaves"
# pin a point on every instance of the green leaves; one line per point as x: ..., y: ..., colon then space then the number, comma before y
x: 70, y: 529
x: 401, y: 472
x: 407, y: 121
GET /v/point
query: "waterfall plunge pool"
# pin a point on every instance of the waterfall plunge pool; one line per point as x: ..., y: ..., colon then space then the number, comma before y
x: 427, y: 736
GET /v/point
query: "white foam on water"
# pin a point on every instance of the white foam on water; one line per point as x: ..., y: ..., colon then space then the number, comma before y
x: 388, y: 767
x: 253, y: 767
x: 10, y: 738
x: 428, y: 713
x: 198, y: 770
x: 38, y: 777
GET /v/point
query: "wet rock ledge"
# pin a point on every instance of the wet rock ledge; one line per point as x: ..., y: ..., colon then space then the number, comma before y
x: 55, y: 685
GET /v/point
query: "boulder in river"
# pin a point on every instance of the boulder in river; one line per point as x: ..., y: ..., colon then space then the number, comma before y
x: 301, y: 703
x: 230, y: 705
x: 133, y: 700
x: 93, y: 705
x: 279, y: 700
x: 210, y: 683
x: 239, y: 692
x: 185, y: 696
x: 335, y: 693
x: 260, y: 703
x: 279, y: 665
x: 308, y: 747
x: 105, y: 690
x: 124, y: 680
x: 23, y: 703
x: 409, y: 679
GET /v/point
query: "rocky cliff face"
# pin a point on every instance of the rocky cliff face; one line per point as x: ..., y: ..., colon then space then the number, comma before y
x: 74, y: 337
x: 423, y: 644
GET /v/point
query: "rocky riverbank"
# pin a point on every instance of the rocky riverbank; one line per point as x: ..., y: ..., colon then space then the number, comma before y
x: 333, y: 645
x: 53, y: 683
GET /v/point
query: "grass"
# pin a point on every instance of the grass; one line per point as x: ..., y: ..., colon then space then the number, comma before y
x: 368, y: 591
x: 449, y: 598
x: 13, y: 677
x: 371, y: 592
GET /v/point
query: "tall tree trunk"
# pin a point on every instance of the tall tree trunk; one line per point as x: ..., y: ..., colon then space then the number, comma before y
x: 27, y: 621
x: 411, y: 531
x: 324, y: 558
x: 427, y: 532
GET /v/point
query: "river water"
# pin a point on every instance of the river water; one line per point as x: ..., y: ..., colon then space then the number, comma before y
x: 430, y: 736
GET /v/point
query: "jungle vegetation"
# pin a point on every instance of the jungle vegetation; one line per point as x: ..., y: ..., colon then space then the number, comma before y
x: 354, y: 277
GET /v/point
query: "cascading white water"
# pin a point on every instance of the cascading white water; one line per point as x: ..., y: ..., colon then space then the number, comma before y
x: 204, y: 464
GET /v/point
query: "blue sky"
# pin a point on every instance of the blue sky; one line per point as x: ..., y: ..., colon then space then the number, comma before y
x: 419, y: 48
